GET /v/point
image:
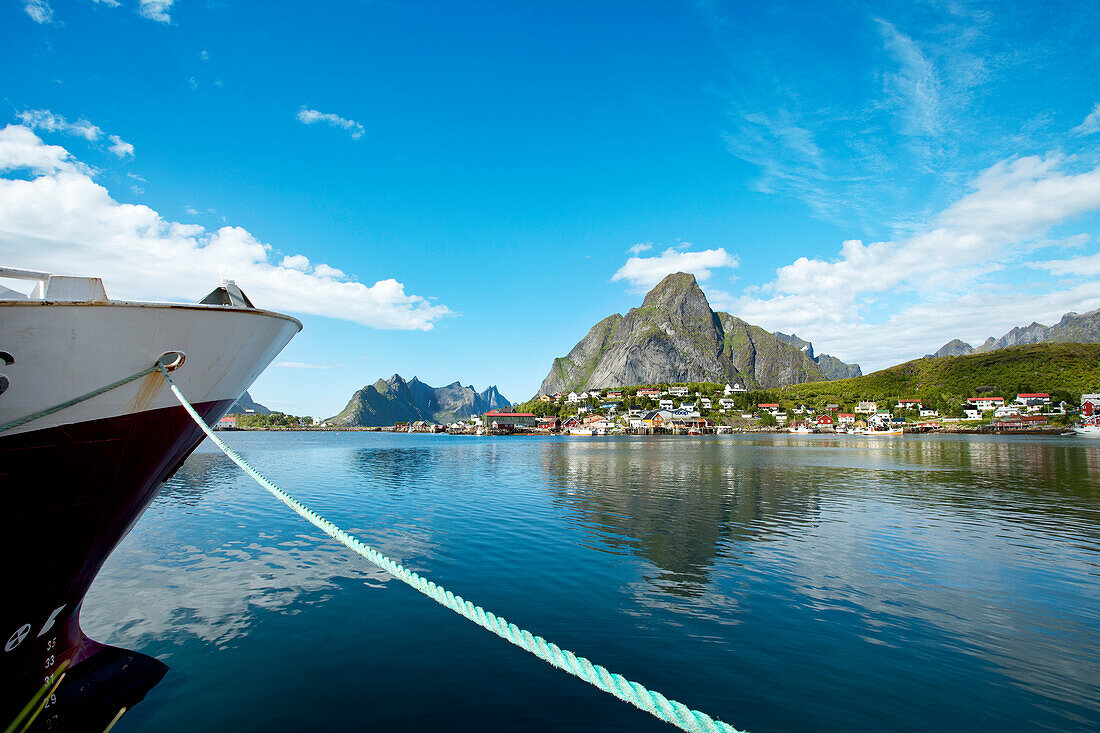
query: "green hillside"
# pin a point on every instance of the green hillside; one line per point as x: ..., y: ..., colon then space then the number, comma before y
x: 1063, y: 370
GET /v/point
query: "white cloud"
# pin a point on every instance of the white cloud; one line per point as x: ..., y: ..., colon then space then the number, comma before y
x: 43, y: 119
x: 838, y: 302
x: 640, y: 247
x: 311, y: 116
x: 915, y: 87
x: 108, y: 3
x: 120, y: 147
x: 22, y: 149
x: 39, y: 10
x: 156, y: 10
x: 1085, y: 265
x: 63, y: 221
x: 644, y: 272
x: 1091, y: 123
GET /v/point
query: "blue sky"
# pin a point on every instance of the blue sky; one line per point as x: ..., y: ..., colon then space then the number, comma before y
x: 878, y: 178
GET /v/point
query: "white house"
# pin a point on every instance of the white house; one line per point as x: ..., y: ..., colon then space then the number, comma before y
x: 665, y: 404
x: 972, y: 412
x: 1033, y: 399
x: 725, y: 403
x: 929, y: 412
x: 1006, y: 410
x: 687, y: 406
x: 846, y: 418
x: 731, y: 389
x: 866, y: 408
x: 985, y: 403
x: 909, y: 404
x: 678, y: 391
x: 573, y: 397
x: 772, y: 407
x: 705, y: 403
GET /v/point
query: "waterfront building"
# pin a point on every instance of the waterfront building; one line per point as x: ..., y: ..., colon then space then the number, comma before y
x: 1090, y: 404
x: 510, y: 420
x: 866, y: 408
x: 985, y: 403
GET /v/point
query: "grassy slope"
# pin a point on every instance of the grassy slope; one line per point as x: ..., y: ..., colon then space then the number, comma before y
x: 1062, y: 368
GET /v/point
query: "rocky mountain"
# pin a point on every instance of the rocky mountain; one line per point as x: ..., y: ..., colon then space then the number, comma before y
x: 246, y: 404
x: 1083, y: 328
x: 393, y: 400
x: 675, y: 337
x: 833, y: 367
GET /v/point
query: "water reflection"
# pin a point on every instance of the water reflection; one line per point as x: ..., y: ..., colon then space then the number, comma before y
x: 678, y: 509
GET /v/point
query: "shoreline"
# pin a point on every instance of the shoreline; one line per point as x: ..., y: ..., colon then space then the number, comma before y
x: 976, y: 430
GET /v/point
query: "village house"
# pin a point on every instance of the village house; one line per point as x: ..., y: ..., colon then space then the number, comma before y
x: 985, y: 403
x: 656, y: 419
x: 909, y: 404
x: 510, y: 420
x: 651, y: 393
x: 846, y: 418
x: 1005, y: 410
x: 229, y: 421
x: 705, y: 403
x: 1033, y: 400
x: 832, y: 407
x: 573, y: 397
x: 1090, y: 404
x: 972, y: 412
x: 725, y: 403
x: 824, y: 422
x: 731, y: 389
x: 687, y: 406
x: 866, y: 408
x: 545, y: 398
x: 615, y: 394
x: 678, y: 391
x: 929, y: 412
x: 549, y: 423
x: 772, y: 407
x: 573, y: 421
x: 665, y: 404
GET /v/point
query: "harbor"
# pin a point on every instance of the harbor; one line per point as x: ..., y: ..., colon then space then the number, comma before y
x: 759, y: 578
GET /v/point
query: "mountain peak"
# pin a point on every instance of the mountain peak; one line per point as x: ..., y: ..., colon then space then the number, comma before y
x: 675, y: 288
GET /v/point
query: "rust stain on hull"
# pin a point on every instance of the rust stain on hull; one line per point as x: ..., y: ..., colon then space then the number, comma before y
x: 148, y: 389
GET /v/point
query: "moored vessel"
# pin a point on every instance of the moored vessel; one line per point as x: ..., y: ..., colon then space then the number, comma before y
x: 78, y: 478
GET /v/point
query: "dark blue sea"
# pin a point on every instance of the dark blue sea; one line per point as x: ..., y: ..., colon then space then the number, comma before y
x: 778, y: 583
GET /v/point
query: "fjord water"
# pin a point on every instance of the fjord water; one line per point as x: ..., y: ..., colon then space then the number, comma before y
x: 774, y: 582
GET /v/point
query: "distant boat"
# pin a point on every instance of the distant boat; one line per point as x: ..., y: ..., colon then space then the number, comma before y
x: 887, y: 431
x: 801, y: 429
x: 1087, y: 431
x: 580, y: 431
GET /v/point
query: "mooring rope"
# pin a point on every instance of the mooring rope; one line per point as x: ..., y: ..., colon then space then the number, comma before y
x: 77, y: 400
x: 634, y: 693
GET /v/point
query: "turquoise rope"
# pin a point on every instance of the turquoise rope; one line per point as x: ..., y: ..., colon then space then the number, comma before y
x: 634, y: 693
x: 77, y: 400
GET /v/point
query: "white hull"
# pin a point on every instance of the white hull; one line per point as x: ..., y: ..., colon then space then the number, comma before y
x: 1088, y: 431
x: 64, y: 350
x: 580, y: 431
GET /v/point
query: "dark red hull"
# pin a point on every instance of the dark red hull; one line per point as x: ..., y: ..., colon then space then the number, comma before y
x: 71, y: 493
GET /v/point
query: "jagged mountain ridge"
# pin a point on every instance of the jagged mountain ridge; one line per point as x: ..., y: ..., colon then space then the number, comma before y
x: 674, y: 336
x: 1082, y: 328
x: 245, y: 403
x: 833, y: 367
x: 393, y: 400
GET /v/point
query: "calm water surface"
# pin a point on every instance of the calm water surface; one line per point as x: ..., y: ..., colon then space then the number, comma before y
x: 777, y: 583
